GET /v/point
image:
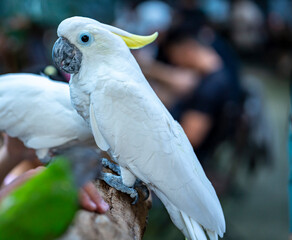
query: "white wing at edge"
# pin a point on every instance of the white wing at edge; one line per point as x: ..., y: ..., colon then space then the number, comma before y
x: 38, y: 111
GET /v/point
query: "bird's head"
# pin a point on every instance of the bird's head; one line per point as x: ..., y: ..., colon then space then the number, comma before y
x: 81, y: 38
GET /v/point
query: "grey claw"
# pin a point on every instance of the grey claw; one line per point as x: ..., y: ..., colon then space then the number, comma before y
x: 117, y: 183
x: 144, y: 189
x: 114, y: 167
x: 135, y: 200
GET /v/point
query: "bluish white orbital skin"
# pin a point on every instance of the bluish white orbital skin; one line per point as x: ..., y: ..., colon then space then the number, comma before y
x: 127, y: 119
x: 38, y: 111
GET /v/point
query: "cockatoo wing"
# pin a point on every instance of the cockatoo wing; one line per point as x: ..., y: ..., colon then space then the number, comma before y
x: 154, y: 147
x: 38, y: 111
x: 98, y: 137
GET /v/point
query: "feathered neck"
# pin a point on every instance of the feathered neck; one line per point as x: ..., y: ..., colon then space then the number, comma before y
x: 99, y: 68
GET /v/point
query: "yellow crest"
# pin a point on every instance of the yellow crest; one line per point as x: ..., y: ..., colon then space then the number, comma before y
x: 133, y: 41
x: 136, y: 41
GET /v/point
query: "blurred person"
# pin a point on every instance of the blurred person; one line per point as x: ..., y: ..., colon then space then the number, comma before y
x: 217, y: 10
x: 247, y: 23
x: 203, y: 73
x: 189, y: 14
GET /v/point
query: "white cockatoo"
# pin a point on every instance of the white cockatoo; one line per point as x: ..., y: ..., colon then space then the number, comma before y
x: 38, y: 111
x: 128, y: 120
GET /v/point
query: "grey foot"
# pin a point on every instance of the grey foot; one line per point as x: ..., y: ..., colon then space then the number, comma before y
x: 117, y: 183
x: 114, y: 167
x: 140, y: 185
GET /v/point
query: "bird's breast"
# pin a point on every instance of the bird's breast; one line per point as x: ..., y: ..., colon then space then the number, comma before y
x: 80, y: 101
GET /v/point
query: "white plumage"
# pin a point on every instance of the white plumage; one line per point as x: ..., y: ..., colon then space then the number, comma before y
x: 38, y: 111
x: 129, y: 120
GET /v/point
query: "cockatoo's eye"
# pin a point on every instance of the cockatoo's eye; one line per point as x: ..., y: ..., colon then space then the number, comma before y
x: 85, y: 38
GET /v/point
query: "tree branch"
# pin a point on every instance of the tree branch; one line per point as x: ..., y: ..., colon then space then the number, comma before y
x: 123, y: 221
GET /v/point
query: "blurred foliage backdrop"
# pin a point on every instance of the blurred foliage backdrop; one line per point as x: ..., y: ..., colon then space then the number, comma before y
x: 51, y: 12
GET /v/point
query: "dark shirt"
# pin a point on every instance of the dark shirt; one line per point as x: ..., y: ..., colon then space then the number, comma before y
x: 218, y: 97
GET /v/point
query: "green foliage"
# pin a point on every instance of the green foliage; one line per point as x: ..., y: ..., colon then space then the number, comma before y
x: 42, y: 208
x: 52, y: 12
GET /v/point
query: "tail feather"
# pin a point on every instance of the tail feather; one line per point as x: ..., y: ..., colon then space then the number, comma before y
x: 190, y: 228
x: 212, y: 235
x: 194, y: 229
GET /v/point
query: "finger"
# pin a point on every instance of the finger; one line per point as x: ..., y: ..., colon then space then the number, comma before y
x: 28, y: 174
x: 19, y: 180
x: 101, y: 205
x: 39, y: 168
x: 85, y: 201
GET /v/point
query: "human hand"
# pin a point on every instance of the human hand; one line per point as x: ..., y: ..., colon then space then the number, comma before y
x: 19, y: 180
x: 182, y: 81
x: 89, y: 197
x: 91, y: 200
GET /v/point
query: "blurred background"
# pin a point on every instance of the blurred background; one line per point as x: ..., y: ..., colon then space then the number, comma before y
x: 221, y: 67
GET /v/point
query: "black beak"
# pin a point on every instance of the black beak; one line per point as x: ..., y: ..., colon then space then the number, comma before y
x: 66, y: 56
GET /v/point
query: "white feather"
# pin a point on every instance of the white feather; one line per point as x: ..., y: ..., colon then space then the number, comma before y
x: 100, y: 141
x: 38, y: 111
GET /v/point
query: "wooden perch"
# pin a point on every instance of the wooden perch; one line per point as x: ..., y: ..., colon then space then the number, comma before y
x: 123, y: 221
